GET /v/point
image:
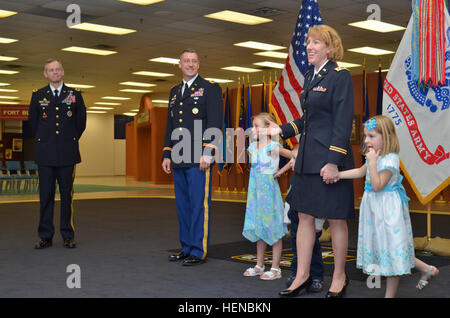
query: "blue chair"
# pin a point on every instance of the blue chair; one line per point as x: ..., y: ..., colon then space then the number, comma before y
x: 31, y: 170
x: 5, y: 178
x: 14, y: 170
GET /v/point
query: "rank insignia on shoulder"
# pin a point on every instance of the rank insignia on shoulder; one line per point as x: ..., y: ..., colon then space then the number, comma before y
x: 340, y: 68
x: 35, y: 90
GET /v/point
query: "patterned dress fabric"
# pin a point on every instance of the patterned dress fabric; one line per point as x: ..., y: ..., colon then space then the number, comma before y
x: 385, y: 239
x: 264, y: 212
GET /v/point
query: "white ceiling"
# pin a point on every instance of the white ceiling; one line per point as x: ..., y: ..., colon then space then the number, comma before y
x: 165, y: 29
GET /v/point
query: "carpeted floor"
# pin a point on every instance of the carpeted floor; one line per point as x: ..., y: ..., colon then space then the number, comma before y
x: 123, y: 246
x: 83, y: 188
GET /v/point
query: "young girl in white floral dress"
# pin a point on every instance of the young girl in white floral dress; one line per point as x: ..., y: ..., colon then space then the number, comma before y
x: 385, y: 240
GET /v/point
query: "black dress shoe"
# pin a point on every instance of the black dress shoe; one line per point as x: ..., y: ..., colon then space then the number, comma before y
x: 43, y: 244
x: 338, y: 294
x: 69, y: 243
x: 178, y: 257
x: 192, y: 260
x: 290, y: 280
x: 294, y: 292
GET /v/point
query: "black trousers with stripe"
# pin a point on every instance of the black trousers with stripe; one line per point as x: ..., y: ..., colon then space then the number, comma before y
x: 47, y: 183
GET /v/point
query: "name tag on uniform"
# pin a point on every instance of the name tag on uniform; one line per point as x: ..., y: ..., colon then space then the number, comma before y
x: 319, y: 89
x: 44, y: 102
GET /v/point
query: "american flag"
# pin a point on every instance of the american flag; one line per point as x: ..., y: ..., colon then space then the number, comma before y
x: 286, y: 95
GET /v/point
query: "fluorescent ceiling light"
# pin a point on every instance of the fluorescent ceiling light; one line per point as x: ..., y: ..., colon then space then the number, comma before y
x: 259, y: 46
x: 237, y: 17
x: 86, y: 50
x: 101, y: 28
x: 270, y: 64
x: 107, y: 104
x: 4, y: 84
x: 9, y: 97
x: 7, y: 40
x: 116, y: 97
x: 8, y: 90
x: 156, y: 74
x: 278, y: 55
x: 101, y: 108
x: 160, y: 101
x: 6, y: 72
x: 8, y: 58
x: 8, y: 103
x: 218, y: 80
x: 370, y: 50
x: 130, y: 90
x: 345, y: 64
x: 241, y: 69
x: 168, y: 60
x: 378, y: 26
x: 79, y: 85
x: 137, y: 84
x: 130, y: 114
x: 142, y: 2
x: 96, y: 111
x: 6, y: 13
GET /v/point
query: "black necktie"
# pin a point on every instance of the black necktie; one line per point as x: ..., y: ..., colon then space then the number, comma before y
x: 186, y: 90
x: 56, y: 93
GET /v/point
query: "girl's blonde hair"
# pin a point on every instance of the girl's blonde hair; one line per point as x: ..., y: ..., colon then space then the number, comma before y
x: 268, y: 116
x: 331, y: 39
x: 385, y: 127
x: 264, y: 115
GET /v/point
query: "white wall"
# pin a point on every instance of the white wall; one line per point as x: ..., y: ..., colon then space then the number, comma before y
x: 119, y: 157
x: 100, y: 156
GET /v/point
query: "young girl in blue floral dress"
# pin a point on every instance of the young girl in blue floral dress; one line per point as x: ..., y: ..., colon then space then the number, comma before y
x: 264, y: 218
x: 385, y: 240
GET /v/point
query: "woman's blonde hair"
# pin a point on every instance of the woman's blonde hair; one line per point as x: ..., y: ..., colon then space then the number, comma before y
x: 331, y: 39
x: 385, y: 127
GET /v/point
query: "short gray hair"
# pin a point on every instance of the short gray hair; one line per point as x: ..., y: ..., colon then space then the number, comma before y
x: 188, y: 51
x: 51, y: 60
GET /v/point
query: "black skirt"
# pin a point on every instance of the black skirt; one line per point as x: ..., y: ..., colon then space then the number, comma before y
x: 310, y: 195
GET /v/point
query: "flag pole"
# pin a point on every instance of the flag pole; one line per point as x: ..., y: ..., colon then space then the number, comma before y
x: 429, y: 221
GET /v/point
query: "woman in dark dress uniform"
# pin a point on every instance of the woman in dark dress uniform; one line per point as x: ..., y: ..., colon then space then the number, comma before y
x: 325, y: 128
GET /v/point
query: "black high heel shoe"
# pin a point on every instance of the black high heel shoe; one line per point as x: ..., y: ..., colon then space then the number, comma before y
x: 294, y: 292
x: 338, y: 294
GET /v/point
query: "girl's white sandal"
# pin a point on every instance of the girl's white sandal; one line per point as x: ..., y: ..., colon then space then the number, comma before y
x: 252, y: 272
x: 274, y: 273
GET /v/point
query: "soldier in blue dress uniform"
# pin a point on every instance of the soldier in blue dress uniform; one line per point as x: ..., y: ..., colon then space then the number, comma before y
x: 57, y: 117
x: 195, y: 105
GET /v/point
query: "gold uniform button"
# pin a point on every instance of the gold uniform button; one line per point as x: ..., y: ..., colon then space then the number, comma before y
x: 195, y: 103
x: 57, y: 124
x: 57, y: 108
x: 39, y: 139
x: 57, y: 132
x: 181, y: 103
x: 74, y: 138
x: 180, y: 112
x: 57, y: 116
x: 181, y: 120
